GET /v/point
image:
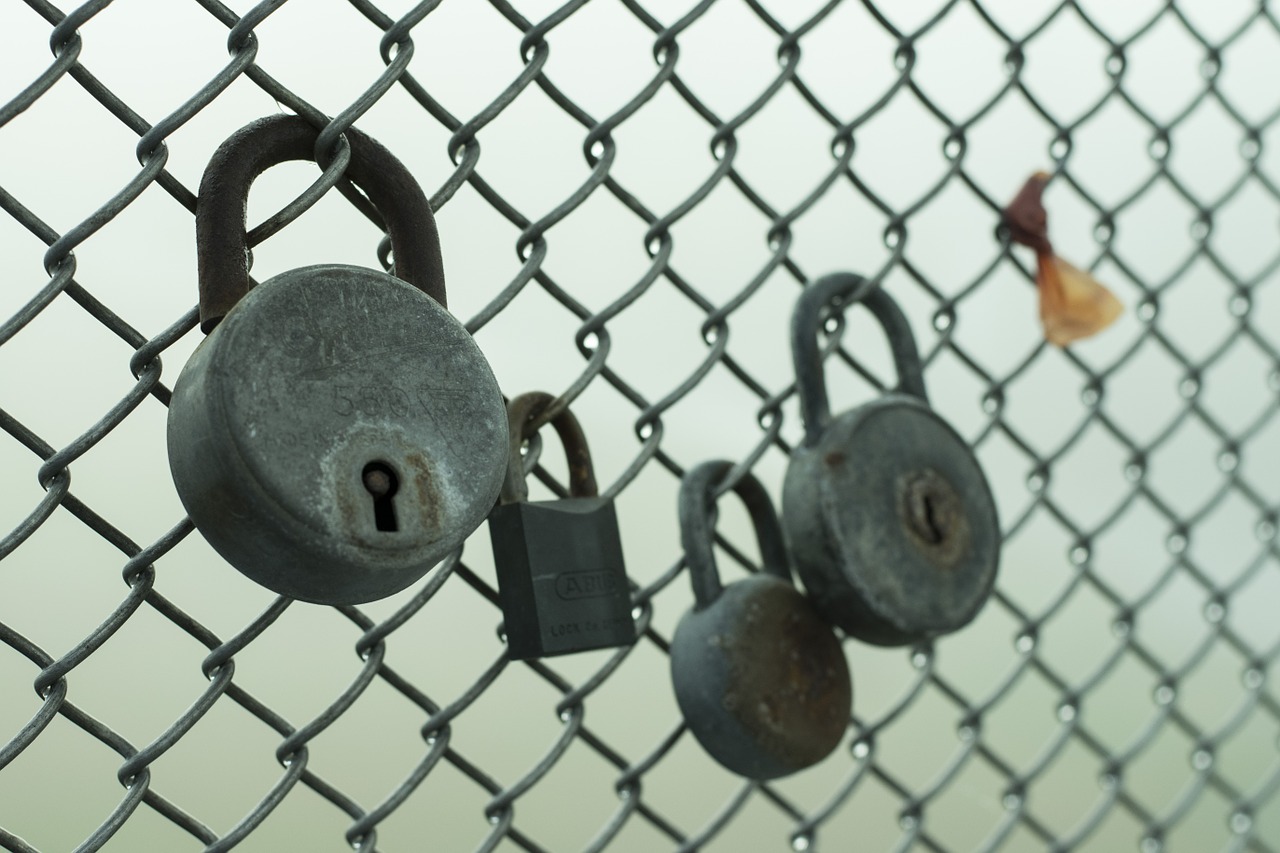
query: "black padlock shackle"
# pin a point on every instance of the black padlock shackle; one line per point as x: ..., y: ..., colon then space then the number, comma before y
x: 520, y: 413
x: 697, y: 529
x: 815, y: 408
x: 221, y: 241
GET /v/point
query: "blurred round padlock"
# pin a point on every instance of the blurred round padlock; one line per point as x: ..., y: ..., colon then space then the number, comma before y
x: 887, y: 513
x: 760, y: 678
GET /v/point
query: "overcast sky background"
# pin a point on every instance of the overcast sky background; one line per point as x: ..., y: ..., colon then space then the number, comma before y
x: 66, y: 156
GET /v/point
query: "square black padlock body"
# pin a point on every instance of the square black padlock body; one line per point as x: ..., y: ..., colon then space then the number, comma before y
x: 561, y: 578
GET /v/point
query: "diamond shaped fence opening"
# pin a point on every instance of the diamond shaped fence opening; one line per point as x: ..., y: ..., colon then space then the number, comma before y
x: 630, y: 198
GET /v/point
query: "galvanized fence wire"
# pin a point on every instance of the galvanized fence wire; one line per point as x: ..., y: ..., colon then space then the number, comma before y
x: 1245, y: 799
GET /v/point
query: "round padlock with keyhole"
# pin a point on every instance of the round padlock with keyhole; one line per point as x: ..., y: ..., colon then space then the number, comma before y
x: 338, y: 431
x: 887, y: 513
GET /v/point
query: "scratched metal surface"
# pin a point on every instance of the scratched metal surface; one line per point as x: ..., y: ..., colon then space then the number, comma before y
x: 630, y: 196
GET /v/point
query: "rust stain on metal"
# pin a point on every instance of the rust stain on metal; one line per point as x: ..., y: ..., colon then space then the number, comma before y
x: 793, y: 692
x: 423, y: 483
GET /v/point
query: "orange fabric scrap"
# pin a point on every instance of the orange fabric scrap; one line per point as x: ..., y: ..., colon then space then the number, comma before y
x: 1073, y: 304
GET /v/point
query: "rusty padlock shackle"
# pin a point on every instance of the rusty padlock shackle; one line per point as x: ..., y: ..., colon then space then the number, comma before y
x: 224, y: 190
x: 815, y: 408
x: 520, y: 413
x: 697, y: 529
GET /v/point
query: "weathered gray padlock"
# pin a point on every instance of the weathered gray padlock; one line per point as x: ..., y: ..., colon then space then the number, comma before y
x: 338, y: 431
x: 760, y: 678
x: 561, y: 578
x: 887, y: 513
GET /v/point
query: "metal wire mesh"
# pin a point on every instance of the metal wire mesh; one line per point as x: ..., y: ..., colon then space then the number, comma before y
x: 1113, y: 695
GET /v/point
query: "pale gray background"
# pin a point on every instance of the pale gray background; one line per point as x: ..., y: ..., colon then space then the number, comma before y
x: 66, y: 156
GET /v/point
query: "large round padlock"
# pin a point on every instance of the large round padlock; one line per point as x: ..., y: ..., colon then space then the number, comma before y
x: 760, y: 678
x: 887, y: 514
x: 338, y: 431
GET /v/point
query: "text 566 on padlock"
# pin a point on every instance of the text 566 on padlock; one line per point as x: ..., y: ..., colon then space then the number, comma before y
x: 887, y: 513
x: 561, y: 578
x: 338, y: 431
x: 760, y: 678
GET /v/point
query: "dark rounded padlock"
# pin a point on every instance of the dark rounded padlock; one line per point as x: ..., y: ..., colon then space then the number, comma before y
x: 562, y: 582
x: 760, y: 678
x: 887, y: 514
x: 338, y: 431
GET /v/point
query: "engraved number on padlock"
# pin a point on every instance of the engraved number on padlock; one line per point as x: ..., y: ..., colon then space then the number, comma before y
x: 338, y: 431
x: 760, y: 678
x: 561, y: 578
x: 888, y: 516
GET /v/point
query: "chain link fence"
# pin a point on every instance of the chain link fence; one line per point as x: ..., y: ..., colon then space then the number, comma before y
x: 630, y: 196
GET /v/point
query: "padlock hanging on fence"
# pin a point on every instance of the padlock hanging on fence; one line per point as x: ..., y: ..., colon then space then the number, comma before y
x: 338, y: 431
x: 887, y: 513
x: 760, y: 678
x: 562, y: 581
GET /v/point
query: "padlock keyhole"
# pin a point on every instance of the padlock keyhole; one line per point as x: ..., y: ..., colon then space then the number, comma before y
x: 931, y: 529
x: 381, y: 482
x: 932, y: 507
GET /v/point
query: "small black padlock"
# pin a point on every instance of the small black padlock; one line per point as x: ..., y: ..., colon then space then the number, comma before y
x: 760, y: 678
x: 338, y: 431
x: 888, y: 516
x: 561, y: 578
